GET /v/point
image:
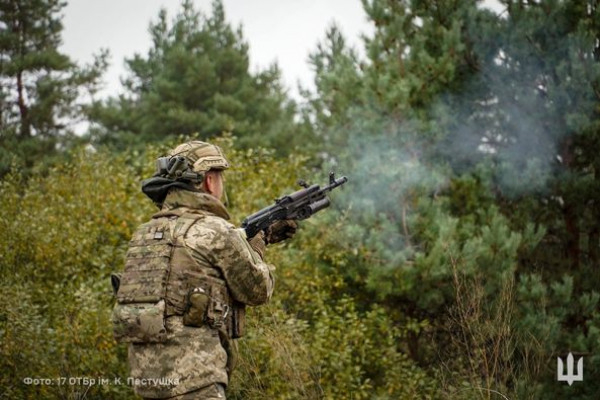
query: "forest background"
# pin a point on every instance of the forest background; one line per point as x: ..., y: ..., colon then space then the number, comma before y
x: 459, y: 262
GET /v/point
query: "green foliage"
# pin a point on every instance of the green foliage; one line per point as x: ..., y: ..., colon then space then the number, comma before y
x: 543, y: 312
x: 69, y: 231
x: 40, y: 87
x: 311, y: 341
x: 460, y: 260
x: 66, y: 233
x: 472, y: 138
x: 196, y: 79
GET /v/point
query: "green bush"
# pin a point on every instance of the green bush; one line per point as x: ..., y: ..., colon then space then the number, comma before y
x: 452, y: 318
x: 66, y: 231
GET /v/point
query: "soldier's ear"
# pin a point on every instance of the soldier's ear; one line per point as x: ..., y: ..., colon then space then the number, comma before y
x: 209, y: 182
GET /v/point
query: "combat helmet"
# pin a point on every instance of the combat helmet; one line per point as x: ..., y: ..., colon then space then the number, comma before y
x: 190, y: 161
x: 184, y: 167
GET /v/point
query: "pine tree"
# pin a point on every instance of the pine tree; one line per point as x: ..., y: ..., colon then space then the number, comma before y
x: 40, y: 86
x: 533, y: 105
x: 474, y: 139
x: 195, y: 79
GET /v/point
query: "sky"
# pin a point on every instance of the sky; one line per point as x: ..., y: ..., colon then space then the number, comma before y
x: 282, y: 31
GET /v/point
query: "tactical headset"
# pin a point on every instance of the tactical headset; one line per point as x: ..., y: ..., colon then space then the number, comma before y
x: 177, y: 168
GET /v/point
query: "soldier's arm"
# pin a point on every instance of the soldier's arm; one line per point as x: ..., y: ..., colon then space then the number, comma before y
x: 249, y: 279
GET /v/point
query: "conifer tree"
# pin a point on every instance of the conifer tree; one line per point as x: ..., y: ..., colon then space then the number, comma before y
x: 40, y: 86
x: 196, y: 79
x: 474, y: 139
x: 532, y: 103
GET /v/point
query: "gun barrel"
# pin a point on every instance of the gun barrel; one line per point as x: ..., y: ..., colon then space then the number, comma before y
x: 335, y: 183
x: 300, y: 194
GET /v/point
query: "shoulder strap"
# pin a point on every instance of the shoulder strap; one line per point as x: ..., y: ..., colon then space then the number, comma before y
x: 184, y: 223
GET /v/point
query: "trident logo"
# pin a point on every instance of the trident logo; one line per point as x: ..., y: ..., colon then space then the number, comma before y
x: 569, y: 377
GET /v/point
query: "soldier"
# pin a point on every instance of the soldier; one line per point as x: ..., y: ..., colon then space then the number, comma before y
x: 188, y: 276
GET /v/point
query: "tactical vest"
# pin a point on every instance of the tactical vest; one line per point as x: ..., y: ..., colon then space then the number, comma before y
x: 161, y: 279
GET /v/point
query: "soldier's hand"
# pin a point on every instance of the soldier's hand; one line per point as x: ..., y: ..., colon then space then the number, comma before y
x: 281, y: 230
x: 258, y: 243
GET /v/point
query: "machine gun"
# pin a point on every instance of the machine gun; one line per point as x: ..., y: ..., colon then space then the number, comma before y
x: 298, y: 205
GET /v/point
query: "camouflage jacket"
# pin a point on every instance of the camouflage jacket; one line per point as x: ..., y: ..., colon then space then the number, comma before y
x: 210, y: 251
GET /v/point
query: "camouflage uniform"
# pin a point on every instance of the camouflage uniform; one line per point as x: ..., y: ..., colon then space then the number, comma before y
x: 196, y: 356
x: 208, y: 254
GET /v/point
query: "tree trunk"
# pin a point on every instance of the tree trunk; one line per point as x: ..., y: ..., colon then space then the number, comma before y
x: 573, y: 236
x: 25, y: 130
x: 570, y: 211
x: 593, y: 243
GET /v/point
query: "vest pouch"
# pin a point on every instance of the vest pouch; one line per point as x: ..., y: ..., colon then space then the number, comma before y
x: 196, y: 307
x: 139, y: 322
